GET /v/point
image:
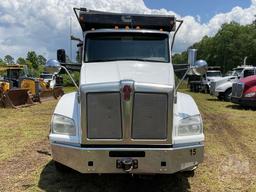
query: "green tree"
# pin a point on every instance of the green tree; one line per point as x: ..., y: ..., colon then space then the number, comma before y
x: 2, y: 62
x: 8, y: 59
x: 21, y: 61
x: 41, y: 60
x: 32, y: 57
x: 227, y: 48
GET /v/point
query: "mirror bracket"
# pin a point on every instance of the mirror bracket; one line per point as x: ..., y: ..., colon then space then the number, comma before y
x: 53, y: 66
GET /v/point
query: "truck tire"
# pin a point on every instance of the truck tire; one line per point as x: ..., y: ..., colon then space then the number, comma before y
x: 61, y: 168
x: 221, y: 97
x: 227, y: 95
x: 207, y: 91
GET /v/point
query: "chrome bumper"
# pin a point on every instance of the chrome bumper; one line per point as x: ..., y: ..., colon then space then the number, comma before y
x: 155, y: 160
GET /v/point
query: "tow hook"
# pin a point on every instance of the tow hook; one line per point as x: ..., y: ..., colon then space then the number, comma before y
x: 127, y: 164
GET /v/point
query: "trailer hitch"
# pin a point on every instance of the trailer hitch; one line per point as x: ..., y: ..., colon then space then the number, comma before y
x: 127, y: 164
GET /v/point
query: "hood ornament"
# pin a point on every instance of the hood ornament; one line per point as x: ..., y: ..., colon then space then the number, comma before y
x: 127, y: 87
x: 127, y: 92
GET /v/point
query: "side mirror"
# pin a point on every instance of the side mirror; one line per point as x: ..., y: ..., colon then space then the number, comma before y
x: 52, y: 66
x: 200, y: 67
x: 61, y: 55
x: 192, y: 53
x: 196, y: 67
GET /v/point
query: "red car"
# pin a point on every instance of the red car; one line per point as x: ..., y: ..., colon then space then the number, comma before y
x: 244, y: 92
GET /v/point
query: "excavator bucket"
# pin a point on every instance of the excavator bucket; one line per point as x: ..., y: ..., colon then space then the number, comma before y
x: 55, y: 93
x: 15, y: 98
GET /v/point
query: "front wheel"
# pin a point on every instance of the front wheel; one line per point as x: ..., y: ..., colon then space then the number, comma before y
x: 227, y: 95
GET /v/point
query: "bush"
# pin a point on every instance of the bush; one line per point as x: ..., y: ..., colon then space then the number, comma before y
x: 68, y: 82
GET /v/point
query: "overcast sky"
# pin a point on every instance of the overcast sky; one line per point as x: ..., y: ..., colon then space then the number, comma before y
x: 43, y: 25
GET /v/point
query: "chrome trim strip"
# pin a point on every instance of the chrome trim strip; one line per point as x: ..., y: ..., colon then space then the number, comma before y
x: 127, y: 108
x: 127, y: 149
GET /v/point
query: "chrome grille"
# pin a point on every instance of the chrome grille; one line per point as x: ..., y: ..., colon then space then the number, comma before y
x: 212, y: 87
x: 104, y: 116
x: 149, y: 116
x: 237, y: 89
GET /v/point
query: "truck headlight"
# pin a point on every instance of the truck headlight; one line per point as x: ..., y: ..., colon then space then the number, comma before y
x: 191, y: 125
x: 252, y: 94
x: 63, y: 125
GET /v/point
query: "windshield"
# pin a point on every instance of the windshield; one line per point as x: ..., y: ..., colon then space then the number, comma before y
x: 238, y: 71
x: 46, y: 76
x: 127, y: 46
x: 230, y: 73
x: 214, y: 74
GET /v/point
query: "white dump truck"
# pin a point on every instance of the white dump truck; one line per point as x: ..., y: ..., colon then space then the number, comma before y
x: 126, y: 115
x: 213, y: 74
x: 222, y: 88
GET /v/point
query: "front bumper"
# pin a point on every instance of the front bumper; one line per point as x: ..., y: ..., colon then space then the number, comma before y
x: 155, y: 161
x: 250, y: 102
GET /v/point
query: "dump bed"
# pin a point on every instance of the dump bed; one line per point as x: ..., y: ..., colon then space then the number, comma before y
x: 90, y: 19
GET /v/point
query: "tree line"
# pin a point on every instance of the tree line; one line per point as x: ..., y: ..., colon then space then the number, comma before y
x: 34, y: 61
x: 227, y: 49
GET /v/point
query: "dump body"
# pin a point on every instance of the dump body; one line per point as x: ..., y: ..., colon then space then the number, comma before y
x: 126, y: 116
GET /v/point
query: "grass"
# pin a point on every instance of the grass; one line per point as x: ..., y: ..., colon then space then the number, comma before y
x: 20, y: 127
x: 230, y: 140
x: 229, y: 165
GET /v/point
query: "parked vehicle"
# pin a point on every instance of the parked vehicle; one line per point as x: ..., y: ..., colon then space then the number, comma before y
x: 213, y: 74
x: 52, y: 80
x: 222, y: 88
x: 11, y: 94
x: 202, y: 83
x: 244, y: 92
x: 17, y: 89
x: 127, y: 116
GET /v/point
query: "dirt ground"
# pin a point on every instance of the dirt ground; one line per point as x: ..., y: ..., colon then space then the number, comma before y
x: 229, y: 165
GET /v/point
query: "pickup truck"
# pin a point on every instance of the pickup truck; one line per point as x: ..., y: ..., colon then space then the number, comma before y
x: 244, y: 92
x: 222, y: 88
x: 126, y: 115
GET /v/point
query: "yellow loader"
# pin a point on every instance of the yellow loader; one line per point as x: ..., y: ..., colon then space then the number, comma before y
x: 11, y: 95
x: 19, y: 90
x: 41, y: 90
x: 15, y: 97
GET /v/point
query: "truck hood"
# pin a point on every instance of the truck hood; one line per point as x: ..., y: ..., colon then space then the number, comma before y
x: 214, y: 78
x: 224, y: 80
x: 249, y: 81
x: 113, y: 71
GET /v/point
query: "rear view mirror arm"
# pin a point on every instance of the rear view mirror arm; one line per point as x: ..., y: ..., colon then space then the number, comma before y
x: 72, y: 79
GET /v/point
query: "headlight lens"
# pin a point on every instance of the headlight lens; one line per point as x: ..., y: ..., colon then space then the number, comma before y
x: 252, y: 94
x: 191, y: 125
x: 63, y: 125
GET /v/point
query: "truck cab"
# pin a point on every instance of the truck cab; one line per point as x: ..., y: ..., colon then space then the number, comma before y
x: 222, y: 88
x: 126, y: 116
x: 210, y: 76
x: 244, y: 92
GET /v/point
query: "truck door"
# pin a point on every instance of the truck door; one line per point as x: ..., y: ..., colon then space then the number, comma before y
x: 249, y: 72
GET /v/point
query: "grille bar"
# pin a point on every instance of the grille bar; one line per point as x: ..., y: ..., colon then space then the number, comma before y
x: 104, y: 116
x: 149, y: 116
x: 237, y: 90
